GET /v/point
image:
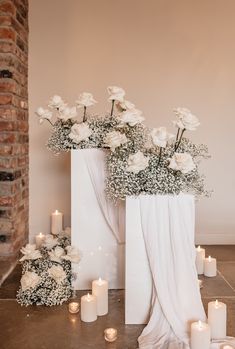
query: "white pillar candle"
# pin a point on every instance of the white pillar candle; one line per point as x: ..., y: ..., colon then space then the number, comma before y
x: 88, y: 308
x: 200, y: 256
x: 110, y: 334
x: 200, y: 335
x: 100, y: 290
x: 210, y: 267
x: 39, y: 239
x: 217, y: 319
x: 56, y: 222
x: 73, y: 307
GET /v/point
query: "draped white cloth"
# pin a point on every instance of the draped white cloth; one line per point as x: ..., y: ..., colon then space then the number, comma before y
x: 168, y: 228
x: 113, y: 214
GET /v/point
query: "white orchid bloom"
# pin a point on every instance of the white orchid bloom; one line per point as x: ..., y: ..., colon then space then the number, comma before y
x: 85, y: 99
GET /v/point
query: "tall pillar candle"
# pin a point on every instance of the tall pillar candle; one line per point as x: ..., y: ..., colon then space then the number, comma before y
x: 200, y: 256
x: 40, y: 238
x: 217, y: 319
x: 210, y: 267
x: 88, y: 308
x: 100, y: 290
x: 200, y: 335
x: 56, y: 222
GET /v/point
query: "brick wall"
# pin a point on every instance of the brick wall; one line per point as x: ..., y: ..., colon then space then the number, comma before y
x: 13, y: 126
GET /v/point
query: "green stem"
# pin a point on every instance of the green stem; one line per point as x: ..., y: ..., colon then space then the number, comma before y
x: 177, y: 144
x: 84, y: 114
x: 112, y: 108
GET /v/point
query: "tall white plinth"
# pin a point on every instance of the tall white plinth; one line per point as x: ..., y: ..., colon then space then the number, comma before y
x: 102, y: 255
x: 138, y: 277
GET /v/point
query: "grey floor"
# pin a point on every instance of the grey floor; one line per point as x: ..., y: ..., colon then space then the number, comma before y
x: 54, y: 328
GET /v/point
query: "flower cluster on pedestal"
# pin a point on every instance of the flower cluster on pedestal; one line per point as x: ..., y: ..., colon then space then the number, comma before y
x: 140, y: 160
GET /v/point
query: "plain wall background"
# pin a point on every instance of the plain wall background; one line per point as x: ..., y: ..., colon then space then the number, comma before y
x: 165, y: 54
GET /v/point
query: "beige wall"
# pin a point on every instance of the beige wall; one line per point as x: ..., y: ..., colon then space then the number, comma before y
x: 165, y: 53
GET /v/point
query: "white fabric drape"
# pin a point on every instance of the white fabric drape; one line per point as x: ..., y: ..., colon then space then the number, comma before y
x: 168, y: 228
x: 113, y: 213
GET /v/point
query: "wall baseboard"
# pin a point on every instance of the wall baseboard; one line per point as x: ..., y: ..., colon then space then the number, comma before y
x: 215, y: 239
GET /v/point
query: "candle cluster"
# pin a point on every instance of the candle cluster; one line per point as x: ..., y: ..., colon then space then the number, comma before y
x: 56, y: 228
x: 202, y: 333
x: 206, y: 266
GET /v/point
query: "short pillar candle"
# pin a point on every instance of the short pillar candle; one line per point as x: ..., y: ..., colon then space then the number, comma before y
x: 100, y: 290
x: 56, y: 222
x: 200, y: 256
x: 217, y: 319
x: 88, y: 308
x: 40, y: 238
x: 210, y: 267
x: 200, y: 335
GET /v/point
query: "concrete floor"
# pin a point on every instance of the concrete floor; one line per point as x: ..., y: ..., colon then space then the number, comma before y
x: 54, y: 328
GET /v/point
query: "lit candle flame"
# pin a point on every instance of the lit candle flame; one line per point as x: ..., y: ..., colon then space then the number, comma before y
x: 200, y: 323
x: 100, y: 280
x: 56, y: 212
x: 40, y: 234
x: 209, y: 258
x: 216, y: 303
x: 199, y: 248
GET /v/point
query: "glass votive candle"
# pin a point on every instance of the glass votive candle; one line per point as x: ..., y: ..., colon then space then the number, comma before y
x: 73, y: 307
x: 110, y: 334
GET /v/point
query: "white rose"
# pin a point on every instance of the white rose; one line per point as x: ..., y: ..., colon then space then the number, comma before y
x: 56, y: 254
x: 66, y: 232
x: 43, y: 114
x: 30, y: 252
x: 56, y: 102
x: 29, y: 280
x: 131, y: 117
x: 114, y: 139
x: 182, y: 162
x: 67, y: 113
x: 137, y: 162
x: 80, y: 132
x: 125, y: 105
x: 185, y: 119
x: 85, y: 100
x: 160, y: 136
x: 50, y: 242
x: 72, y: 255
x: 116, y: 93
x: 57, y: 273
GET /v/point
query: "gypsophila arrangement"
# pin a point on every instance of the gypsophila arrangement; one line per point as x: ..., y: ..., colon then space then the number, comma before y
x: 139, y: 160
x: 46, y: 272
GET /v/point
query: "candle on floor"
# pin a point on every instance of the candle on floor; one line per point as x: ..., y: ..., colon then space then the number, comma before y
x: 210, y: 267
x: 39, y: 239
x: 73, y: 307
x: 110, y: 334
x: 100, y: 290
x: 200, y: 256
x: 56, y: 222
x: 200, y: 335
x: 88, y: 308
x: 217, y: 319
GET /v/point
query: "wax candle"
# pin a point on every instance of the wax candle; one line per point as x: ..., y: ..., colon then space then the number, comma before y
x: 88, y: 308
x: 39, y: 239
x: 56, y: 222
x: 73, y: 307
x: 210, y: 267
x: 110, y: 334
x: 100, y: 290
x: 217, y: 319
x: 200, y: 256
x: 200, y: 335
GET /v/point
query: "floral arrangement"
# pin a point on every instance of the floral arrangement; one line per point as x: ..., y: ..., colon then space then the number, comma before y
x: 139, y: 160
x: 46, y: 272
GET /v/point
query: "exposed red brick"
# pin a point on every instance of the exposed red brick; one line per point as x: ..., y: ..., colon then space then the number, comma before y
x: 8, y: 113
x: 8, y: 137
x: 5, y: 20
x: 5, y: 99
x: 7, y: 33
x: 7, y: 85
x: 7, y: 7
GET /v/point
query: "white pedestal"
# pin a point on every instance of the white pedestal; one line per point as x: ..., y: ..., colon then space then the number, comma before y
x: 138, y: 276
x: 102, y: 256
